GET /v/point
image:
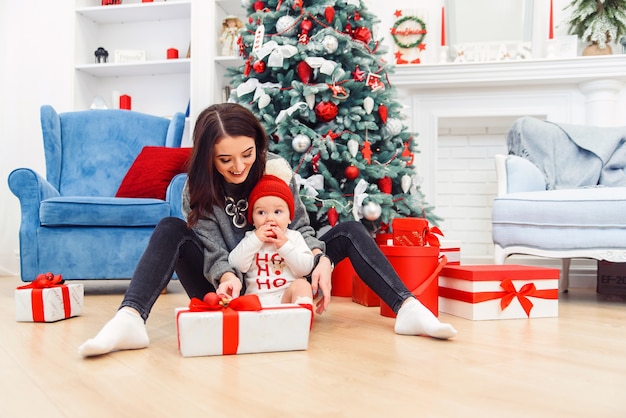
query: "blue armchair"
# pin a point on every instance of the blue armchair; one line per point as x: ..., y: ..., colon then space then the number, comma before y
x: 72, y: 223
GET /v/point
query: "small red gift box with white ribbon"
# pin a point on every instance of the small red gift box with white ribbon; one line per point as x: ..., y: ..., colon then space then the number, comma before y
x: 242, y: 326
x: 47, y: 299
x: 504, y: 291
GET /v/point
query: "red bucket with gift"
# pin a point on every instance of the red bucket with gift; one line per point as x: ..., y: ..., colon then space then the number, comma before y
x: 418, y: 268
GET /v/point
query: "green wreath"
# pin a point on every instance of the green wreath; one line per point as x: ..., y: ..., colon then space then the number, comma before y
x: 401, y: 21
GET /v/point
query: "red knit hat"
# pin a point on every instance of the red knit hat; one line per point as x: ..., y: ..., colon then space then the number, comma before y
x: 270, y: 185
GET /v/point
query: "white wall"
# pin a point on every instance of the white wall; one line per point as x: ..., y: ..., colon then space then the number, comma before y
x: 37, y: 58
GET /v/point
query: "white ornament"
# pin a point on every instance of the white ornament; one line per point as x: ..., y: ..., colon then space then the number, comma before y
x: 368, y: 104
x: 330, y: 43
x: 405, y: 183
x: 301, y: 143
x: 393, y: 126
x: 310, y: 100
x: 372, y: 211
x: 285, y: 26
x: 353, y: 147
x: 264, y: 100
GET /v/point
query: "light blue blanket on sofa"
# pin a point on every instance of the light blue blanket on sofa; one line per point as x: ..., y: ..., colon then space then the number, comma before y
x: 571, y: 156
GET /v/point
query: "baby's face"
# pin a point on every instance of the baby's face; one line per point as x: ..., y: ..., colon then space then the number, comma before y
x: 270, y: 210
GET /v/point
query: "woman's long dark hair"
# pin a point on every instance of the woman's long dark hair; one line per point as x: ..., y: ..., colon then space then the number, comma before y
x: 204, y: 181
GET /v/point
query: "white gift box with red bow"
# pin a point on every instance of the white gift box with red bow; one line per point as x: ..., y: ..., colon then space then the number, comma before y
x: 219, y: 332
x: 48, y: 304
x: 480, y: 292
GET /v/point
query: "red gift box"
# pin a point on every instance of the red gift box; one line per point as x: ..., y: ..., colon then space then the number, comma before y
x: 362, y: 294
x: 418, y: 268
x: 342, y: 278
x: 409, y: 231
x: 505, y: 291
x: 241, y: 327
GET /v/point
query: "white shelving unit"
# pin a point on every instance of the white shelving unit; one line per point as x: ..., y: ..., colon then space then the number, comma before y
x: 157, y: 85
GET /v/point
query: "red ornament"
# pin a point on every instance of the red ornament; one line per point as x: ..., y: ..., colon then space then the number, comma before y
x: 383, y: 112
x: 384, y: 185
x: 258, y: 5
x: 362, y: 34
x: 304, y: 71
x: 358, y: 74
x: 315, y: 162
x: 259, y: 66
x: 351, y: 172
x: 326, y: 111
x: 329, y: 13
x: 333, y: 216
x: 211, y: 298
x: 367, y: 152
x: 306, y: 27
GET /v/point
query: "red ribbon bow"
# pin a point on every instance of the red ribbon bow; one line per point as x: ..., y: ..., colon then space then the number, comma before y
x: 430, y: 238
x: 529, y: 289
x: 44, y: 281
x: 47, y: 281
x: 242, y: 303
x: 230, y: 309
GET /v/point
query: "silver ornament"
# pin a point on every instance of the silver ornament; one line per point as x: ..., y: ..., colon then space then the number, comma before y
x: 285, y: 26
x: 368, y: 104
x: 405, y: 183
x: 353, y: 147
x: 330, y: 43
x: 301, y: 143
x: 372, y: 211
x: 393, y: 126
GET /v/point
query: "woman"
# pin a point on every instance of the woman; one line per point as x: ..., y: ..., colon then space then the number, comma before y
x: 228, y: 159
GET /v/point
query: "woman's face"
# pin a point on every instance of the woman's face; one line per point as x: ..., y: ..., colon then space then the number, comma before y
x: 234, y: 156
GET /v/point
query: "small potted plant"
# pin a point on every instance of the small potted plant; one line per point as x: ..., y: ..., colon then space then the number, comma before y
x: 598, y: 22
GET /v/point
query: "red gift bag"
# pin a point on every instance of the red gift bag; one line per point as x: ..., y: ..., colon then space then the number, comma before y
x: 418, y: 268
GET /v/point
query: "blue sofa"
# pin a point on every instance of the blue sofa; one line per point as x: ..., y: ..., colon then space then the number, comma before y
x: 72, y: 221
x: 561, y: 193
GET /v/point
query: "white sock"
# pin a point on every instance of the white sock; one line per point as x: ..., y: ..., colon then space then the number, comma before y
x: 416, y: 319
x: 304, y: 300
x: 125, y: 331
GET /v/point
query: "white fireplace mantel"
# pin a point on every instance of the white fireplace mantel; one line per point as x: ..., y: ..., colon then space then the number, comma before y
x: 581, y: 90
x: 472, y: 75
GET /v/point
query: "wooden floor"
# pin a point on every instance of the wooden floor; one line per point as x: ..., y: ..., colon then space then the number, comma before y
x: 571, y: 366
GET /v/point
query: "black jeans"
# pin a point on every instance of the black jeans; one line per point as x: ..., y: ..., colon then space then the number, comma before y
x: 174, y: 247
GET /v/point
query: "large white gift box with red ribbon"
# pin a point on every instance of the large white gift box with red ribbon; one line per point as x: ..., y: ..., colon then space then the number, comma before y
x: 48, y: 304
x: 236, y: 330
x: 505, y: 291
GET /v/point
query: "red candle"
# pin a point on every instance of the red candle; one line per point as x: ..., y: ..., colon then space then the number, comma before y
x: 125, y: 102
x: 443, y: 26
x: 551, y: 34
x: 172, y: 53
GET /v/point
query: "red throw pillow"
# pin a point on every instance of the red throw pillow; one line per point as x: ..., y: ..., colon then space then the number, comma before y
x: 152, y: 171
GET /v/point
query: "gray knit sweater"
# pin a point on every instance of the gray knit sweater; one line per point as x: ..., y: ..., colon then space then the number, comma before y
x: 219, y: 235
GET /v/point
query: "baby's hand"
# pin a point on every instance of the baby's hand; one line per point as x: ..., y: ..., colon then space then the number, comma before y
x: 265, y: 233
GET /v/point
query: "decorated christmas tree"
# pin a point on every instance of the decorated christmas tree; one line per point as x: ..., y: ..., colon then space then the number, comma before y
x: 315, y: 77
